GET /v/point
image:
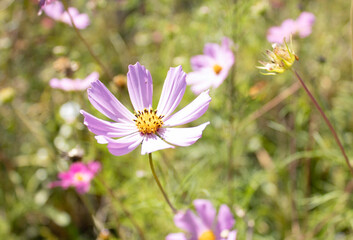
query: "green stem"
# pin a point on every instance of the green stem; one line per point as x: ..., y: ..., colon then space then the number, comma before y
x: 159, y: 184
x: 90, y: 50
x: 327, y: 121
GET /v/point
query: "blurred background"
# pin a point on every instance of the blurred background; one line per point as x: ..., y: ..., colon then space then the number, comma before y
x: 278, y: 168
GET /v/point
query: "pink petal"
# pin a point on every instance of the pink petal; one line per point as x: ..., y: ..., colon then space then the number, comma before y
x: 206, y: 211
x: 176, y: 236
x: 201, y: 61
x: 106, y: 103
x: 182, y: 136
x: 139, y: 83
x: 225, y: 219
x: 211, y: 49
x: 304, y: 24
x: 226, y: 43
x: 85, y: 83
x: 201, y: 80
x: 275, y: 35
x: 152, y: 143
x: 105, y: 128
x: 81, y: 21
x: 94, y: 167
x: 121, y: 146
x: 54, y: 83
x: 83, y: 188
x: 54, y: 10
x: 172, y: 92
x: 190, y: 223
x: 232, y: 235
x: 191, y: 112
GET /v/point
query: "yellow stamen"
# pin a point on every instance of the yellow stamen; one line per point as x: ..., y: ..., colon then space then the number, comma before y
x: 217, y: 69
x: 148, y: 121
x: 207, y: 235
x: 79, y: 177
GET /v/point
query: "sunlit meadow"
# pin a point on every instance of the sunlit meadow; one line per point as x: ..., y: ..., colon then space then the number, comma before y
x: 176, y: 120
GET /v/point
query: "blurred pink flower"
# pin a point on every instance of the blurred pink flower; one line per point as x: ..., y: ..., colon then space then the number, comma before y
x: 205, y: 226
x: 56, y: 11
x: 211, y: 68
x: 302, y: 26
x: 78, y: 176
x: 68, y: 84
x: 42, y: 3
x: 150, y: 128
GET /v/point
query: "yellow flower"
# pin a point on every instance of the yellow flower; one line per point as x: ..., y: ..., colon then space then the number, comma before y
x: 281, y: 58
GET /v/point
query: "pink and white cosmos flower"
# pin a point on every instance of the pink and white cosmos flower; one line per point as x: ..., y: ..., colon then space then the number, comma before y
x: 302, y: 26
x: 77, y: 84
x: 153, y: 129
x: 211, y: 68
x: 78, y: 176
x: 56, y: 11
x: 205, y: 226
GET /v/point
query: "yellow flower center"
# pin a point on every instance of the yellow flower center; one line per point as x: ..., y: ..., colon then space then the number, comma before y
x: 148, y: 121
x: 78, y: 177
x: 207, y: 235
x: 217, y: 69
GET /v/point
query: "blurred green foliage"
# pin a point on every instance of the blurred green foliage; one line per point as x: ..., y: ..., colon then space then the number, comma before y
x: 281, y: 173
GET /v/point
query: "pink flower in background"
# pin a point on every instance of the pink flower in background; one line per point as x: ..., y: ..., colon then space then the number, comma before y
x: 302, y: 26
x: 205, y: 226
x: 78, y: 176
x: 42, y: 3
x: 148, y: 127
x: 278, y: 33
x: 211, y: 68
x: 56, y: 11
x: 68, y: 84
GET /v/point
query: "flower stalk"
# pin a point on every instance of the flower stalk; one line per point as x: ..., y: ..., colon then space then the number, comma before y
x: 327, y: 121
x: 160, y: 185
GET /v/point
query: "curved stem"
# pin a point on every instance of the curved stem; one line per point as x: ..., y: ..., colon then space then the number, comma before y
x: 327, y: 121
x: 126, y: 212
x: 105, y: 69
x: 159, y: 184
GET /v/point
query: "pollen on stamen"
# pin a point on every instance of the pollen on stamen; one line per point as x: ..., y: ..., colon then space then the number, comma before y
x: 217, y: 69
x: 147, y: 121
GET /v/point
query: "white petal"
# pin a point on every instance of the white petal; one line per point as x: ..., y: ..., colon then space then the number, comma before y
x: 191, y: 112
x: 152, y: 143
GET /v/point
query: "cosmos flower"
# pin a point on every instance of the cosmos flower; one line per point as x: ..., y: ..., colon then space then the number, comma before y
x: 78, y: 176
x: 56, y: 11
x: 281, y: 58
x: 302, y: 26
x: 77, y: 84
x: 151, y: 127
x: 211, y: 68
x: 205, y: 226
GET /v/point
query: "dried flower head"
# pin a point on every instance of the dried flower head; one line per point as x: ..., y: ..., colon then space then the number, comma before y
x: 120, y: 81
x: 281, y: 58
